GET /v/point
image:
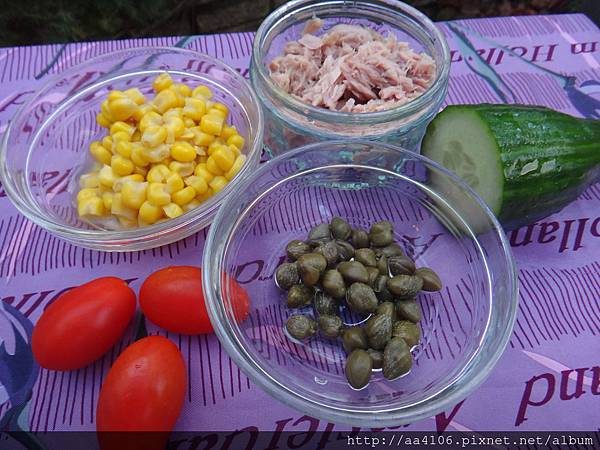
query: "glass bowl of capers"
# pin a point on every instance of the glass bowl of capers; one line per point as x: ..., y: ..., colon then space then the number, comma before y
x: 376, y: 298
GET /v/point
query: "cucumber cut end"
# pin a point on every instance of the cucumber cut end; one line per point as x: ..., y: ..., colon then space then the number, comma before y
x: 462, y: 142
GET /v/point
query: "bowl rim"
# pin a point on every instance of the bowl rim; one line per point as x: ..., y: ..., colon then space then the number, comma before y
x: 322, y: 114
x: 136, y: 238
x: 453, y: 392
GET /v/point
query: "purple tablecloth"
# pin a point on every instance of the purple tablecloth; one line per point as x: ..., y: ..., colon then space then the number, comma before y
x: 549, y: 376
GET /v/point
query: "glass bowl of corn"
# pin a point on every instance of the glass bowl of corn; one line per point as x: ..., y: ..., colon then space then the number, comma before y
x: 133, y: 149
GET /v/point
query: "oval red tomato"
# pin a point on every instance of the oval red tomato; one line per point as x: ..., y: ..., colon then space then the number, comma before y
x: 83, y: 324
x: 144, y: 392
x: 172, y: 298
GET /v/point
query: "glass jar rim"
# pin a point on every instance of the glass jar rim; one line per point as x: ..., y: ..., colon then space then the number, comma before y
x: 322, y: 114
x: 99, y: 239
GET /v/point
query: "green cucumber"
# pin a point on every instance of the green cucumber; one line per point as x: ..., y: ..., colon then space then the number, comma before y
x: 526, y: 162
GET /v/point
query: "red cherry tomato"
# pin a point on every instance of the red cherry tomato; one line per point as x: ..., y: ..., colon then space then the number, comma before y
x: 172, y: 298
x: 142, y: 392
x: 83, y: 324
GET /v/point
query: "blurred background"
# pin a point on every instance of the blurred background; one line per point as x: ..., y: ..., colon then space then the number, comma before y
x: 56, y: 21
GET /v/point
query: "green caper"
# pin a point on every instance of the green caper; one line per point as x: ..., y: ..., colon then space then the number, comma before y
x: 360, y: 238
x: 345, y: 250
x: 333, y: 284
x: 361, y: 298
x: 300, y: 326
x: 397, y: 359
x: 390, y: 250
x: 381, y: 290
x: 353, y: 272
x: 408, y: 310
x: 358, y: 369
x: 366, y: 257
x: 382, y: 265
x: 310, y: 267
x: 401, y: 265
x: 408, y: 331
x: 353, y: 338
x: 295, y: 249
x: 388, y: 308
x: 287, y: 276
x: 431, y: 280
x: 405, y: 286
x: 373, y: 274
x: 300, y: 296
x: 376, y: 357
x: 324, y: 304
x: 378, y: 330
x: 319, y: 234
x: 340, y: 229
x: 330, y: 326
x: 330, y: 251
x: 381, y: 234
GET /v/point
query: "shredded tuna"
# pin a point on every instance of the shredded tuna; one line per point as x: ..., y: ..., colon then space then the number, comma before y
x: 351, y: 68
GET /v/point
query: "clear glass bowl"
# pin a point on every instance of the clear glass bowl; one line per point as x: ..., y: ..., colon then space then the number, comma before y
x: 45, y: 148
x: 291, y: 122
x: 465, y: 327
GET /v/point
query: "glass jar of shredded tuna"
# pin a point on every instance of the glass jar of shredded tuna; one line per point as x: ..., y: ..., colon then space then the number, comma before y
x: 366, y: 69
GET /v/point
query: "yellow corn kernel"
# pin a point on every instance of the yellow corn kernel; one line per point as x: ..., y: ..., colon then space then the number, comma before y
x: 212, y: 166
x: 102, y: 120
x: 236, y: 140
x: 201, y: 138
x: 192, y: 205
x: 212, y: 148
x: 218, y: 183
x: 182, y: 168
x: 189, y: 123
x: 221, y: 107
x: 122, y: 108
x: 127, y: 223
x: 120, y: 136
x: 157, y: 154
x: 142, y: 111
x: 158, y: 173
x: 208, y: 194
x: 138, y: 157
x: 217, y: 113
x: 107, y: 198
x: 121, y: 166
x: 136, y: 95
x: 119, y: 208
x: 194, y: 108
x: 89, y: 180
x: 105, y: 111
x: 172, y: 210
x: 150, y: 119
x: 203, y: 92
x: 224, y: 158
x: 115, y: 94
x: 237, y: 166
x: 150, y: 213
x: 174, y: 183
x: 122, y: 126
x: 124, y: 149
x: 212, y: 124
x: 236, y: 151
x: 100, y: 153
x: 106, y: 176
x: 198, y: 183
x: 142, y: 171
x: 119, y: 182
x: 91, y: 206
x: 153, y: 136
x: 187, y: 135
x: 107, y: 142
x: 162, y: 82
x: 158, y: 194
x: 173, y: 112
x: 203, y: 172
x: 165, y: 99
x: 136, y: 136
x: 184, y: 196
x: 227, y: 132
x: 133, y: 194
x: 87, y: 193
x: 183, y: 152
x: 182, y: 89
x: 175, y: 128
x: 200, y: 151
